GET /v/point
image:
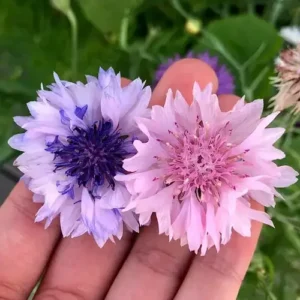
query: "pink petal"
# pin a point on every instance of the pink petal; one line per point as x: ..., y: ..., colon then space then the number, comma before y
x: 159, y: 202
x: 211, y: 225
x: 164, y: 117
x: 253, y: 214
x: 229, y: 196
x: 181, y: 223
x: 144, y: 182
x: 269, y: 153
x: 146, y: 156
x: 256, y: 137
x: 145, y: 218
x: 266, y: 199
x: 195, y: 230
x: 164, y: 221
x: 209, y: 105
x: 287, y: 178
x: 243, y: 119
x: 224, y: 224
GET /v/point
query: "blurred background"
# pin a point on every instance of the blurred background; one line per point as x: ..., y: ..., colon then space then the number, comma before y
x: 137, y: 38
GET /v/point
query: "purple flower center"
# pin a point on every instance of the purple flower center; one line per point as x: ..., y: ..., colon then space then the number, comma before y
x: 94, y: 155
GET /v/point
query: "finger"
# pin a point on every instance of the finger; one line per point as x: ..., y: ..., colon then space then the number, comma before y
x: 155, y: 265
x: 227, y: 101
x: 181, y: 76
x: 227, y: 268
x: 125, y: 81
x: 81, y: 269
x: 25, y: 246
x: 224, y: 270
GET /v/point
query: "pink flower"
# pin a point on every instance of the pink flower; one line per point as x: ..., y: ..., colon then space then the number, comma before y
x: 287, y: 80
x: 201, y: 167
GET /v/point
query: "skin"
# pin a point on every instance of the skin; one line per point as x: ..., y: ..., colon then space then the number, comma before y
x: 145, y: 266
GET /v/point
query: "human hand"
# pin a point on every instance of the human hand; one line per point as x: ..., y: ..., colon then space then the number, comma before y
x: 146, y: 266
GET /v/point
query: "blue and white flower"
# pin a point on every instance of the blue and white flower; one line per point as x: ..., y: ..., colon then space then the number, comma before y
x: 74, y: 145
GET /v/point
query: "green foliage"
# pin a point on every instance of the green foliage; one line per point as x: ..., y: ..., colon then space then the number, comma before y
x: 8, y: 107
x: 248, y: 45
x: 134, y: 36
x: 107, y: 16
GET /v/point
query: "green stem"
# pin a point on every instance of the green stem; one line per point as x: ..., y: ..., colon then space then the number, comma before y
x: 74, y: 35
x: 8, y: 157
x: 276, y: 10
x: 225, y: 10
x: 292, y: 237
x: 289, y: 132
x: 177, y: 5
x: 296, y: 17
x: 250, y: 7
x: 123, y: 39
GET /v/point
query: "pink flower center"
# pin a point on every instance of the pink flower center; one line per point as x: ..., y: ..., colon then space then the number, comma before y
x: 200, y: 161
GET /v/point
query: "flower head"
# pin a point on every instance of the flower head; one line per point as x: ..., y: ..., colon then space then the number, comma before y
x: 193, y: 26
x: 75, y: 141
x: 201, y: 167
x: 287, y: 80
x: 225, y: 78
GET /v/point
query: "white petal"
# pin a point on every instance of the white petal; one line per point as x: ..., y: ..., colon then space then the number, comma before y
x: 107, y: 221
x: 21, y: 142
x: 69, y: 218
x: 291, y: 34
x: 88, y: 210
x: 117, y: 198
x: 21, y: 121
x: 79, y: 230
x: 110, y: 109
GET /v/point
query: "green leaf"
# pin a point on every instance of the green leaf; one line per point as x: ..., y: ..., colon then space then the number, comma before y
x: 248, y: 45
x: 9, y: 108
x: 105, y: 15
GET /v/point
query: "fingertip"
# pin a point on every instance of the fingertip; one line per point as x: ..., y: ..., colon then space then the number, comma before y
x: 227, y: 101
x: 181, y: 76
x: 125, y: 81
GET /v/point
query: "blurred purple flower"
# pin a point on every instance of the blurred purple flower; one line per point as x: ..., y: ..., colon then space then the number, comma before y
x: 226, y: 80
